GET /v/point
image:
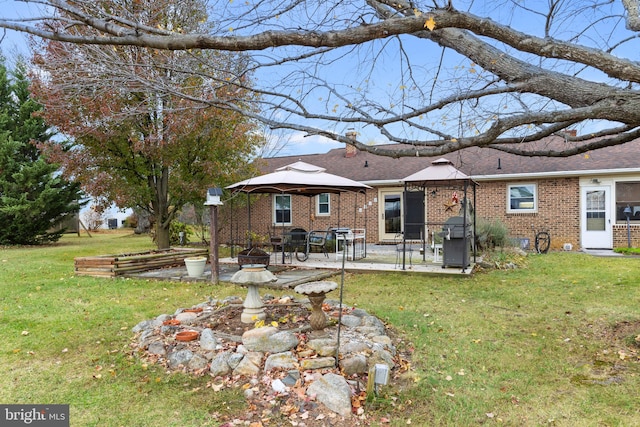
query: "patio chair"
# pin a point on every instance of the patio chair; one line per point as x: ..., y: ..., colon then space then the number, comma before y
x: 318, y: 239
x: 403, y: 247
x: 295, y: 240
x: 276, y: 246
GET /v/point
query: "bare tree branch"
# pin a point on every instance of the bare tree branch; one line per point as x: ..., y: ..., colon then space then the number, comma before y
x: 434, y: 79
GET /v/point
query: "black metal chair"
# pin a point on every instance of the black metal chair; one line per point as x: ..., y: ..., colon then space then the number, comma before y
x: 318, y: 239
x: 295, y: 241
x: 276, y: 246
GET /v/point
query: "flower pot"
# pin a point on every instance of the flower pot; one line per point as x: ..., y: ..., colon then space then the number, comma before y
x: 195, y: 266
x: 187, y: 335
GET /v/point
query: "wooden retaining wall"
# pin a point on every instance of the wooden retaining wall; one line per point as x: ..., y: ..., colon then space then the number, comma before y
x: 120, y: 265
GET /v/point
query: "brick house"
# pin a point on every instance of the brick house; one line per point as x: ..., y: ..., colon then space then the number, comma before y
x: 579, y: 199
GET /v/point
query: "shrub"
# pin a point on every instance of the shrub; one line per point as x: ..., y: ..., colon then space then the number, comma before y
x: 174, y: 232
x: 131, y: 221
x: 491, y: 233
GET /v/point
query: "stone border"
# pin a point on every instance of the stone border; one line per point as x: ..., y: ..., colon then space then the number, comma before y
x: 287, y: 359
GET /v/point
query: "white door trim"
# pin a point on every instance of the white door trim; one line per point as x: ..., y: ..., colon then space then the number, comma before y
x: 596, y: 231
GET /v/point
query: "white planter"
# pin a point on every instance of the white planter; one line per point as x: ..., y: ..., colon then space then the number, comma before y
x: 195, y: 266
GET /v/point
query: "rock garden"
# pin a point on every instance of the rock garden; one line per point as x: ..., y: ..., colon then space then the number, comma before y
x: 311, y: 377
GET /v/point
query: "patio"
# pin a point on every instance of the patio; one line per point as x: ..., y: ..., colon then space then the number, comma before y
x: 378, y: 258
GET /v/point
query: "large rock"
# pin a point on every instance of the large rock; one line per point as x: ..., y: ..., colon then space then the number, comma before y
x: 146, y: 324
x: 187, y: 318
x: 180, y: 357
x: 269, y: 340
x: 323, y: 346
x: 246, y: 368
x: 355, y: 364
x: 197, y: 363
x: 351, y: 321
x: 220, y: 364
x: 157, y: 348
x: 208, y: 340
x: 332, y: 391
x: 285, y: 360
x: 318, y: 363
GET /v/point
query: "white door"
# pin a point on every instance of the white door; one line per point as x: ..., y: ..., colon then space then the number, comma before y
x: 596, y: 217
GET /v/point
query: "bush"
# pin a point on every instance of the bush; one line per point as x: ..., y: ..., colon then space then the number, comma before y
x: 174, y: 232
x: 131, y: 221
x: 491, y: 233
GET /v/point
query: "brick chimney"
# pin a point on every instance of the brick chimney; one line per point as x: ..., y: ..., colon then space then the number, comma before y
x: 571, y: 132
x: 350, y: 150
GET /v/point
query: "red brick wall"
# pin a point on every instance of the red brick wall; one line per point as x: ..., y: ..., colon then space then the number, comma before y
x: 345, y: 211
x: 558, y: 209
x: 621, y: 237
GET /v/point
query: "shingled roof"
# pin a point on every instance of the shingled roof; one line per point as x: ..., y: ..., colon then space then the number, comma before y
x: 479, y: 163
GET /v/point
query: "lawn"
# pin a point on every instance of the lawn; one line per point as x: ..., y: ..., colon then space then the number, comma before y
x: 550, y: 344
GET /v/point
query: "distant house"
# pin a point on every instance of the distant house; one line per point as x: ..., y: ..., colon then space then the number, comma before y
x: 580, y: 199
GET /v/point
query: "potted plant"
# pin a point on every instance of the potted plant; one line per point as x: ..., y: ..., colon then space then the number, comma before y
x: 195, y: 265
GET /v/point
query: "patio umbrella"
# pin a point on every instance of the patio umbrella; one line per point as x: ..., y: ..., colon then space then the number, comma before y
x: 299, y: 178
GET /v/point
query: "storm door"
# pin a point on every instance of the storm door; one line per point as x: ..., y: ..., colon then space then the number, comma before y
x: 596, y: 217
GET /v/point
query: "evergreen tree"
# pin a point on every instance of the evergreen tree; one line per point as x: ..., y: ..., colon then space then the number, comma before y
x: 33, y: 196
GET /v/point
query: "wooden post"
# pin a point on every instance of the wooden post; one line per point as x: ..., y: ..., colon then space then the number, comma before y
x: 213, y: 250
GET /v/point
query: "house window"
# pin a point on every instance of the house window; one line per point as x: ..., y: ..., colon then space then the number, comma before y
x: 522, y: 198
x: 628, y: 194
x: 323, y: 205
x: 282, y: 209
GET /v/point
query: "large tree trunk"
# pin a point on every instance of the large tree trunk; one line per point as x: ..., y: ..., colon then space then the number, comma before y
x: 160, y: 185
x: 162, y: 235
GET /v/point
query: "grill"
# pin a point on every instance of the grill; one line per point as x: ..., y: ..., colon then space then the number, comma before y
x: 456, y: 242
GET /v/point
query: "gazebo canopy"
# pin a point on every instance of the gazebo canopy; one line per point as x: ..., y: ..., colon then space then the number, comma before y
x: 299, y: 178
x: 441, y: 172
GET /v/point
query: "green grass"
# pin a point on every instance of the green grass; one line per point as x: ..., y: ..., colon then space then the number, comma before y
x: 524, y: 347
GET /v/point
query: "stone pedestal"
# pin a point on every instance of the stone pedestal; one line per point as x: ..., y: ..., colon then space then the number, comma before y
x: 253, y: 306
x: 316, y: 292
x: 253, y: 276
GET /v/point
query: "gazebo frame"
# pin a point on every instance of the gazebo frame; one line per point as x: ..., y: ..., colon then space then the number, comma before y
x: 441, y: 174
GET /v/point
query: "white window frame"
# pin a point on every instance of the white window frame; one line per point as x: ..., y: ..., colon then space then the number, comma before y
x: 319, y: 203
x: 532, y: 209
x: 275, y: 208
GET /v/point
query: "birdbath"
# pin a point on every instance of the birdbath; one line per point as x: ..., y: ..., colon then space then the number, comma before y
x: 253, y: 276
x: 316, y: 292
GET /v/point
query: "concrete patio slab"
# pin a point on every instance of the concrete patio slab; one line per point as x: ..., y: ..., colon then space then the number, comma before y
x: 379, y: 258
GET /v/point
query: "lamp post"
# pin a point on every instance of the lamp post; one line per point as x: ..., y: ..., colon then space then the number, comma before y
x: 627, y: 213
x: 213, y: 201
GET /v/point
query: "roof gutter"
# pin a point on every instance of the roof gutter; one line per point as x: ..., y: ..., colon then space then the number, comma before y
x: 556, y: 174
x: 520, y: 176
